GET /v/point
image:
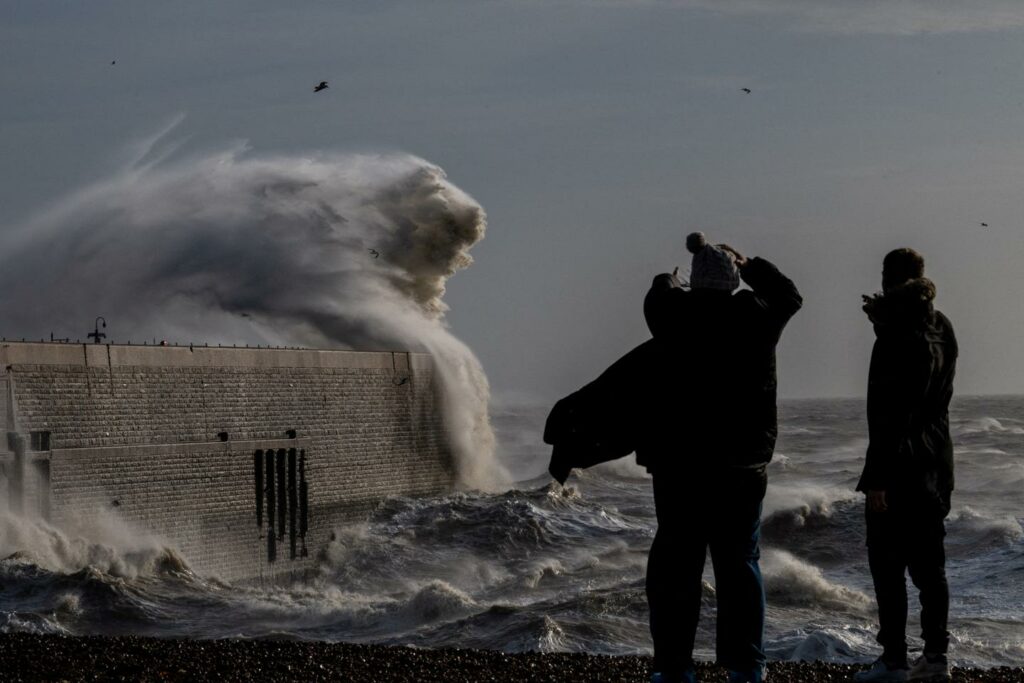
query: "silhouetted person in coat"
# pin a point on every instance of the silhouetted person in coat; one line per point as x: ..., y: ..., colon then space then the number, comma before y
x: 908, y: 473
x: 712, y: 435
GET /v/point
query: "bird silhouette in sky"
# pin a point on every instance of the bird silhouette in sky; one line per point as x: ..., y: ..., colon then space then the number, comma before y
x: 746, y: 90
x: 984, y: 225
x: 321, y: 86
x: 376, y: 254
x: 113, y: 62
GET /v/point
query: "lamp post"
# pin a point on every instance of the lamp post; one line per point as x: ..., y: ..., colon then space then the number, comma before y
x: 96, y: 334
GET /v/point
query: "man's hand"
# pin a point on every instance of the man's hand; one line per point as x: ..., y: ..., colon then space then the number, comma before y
x: 739, y: 258
x: 877, y: 502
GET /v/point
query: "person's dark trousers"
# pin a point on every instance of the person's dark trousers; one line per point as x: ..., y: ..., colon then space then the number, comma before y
x: 720, y: 511
x: 908, y: 539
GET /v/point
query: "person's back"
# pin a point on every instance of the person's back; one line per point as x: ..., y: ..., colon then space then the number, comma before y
x: 712, y: 432
x: 719, y: 351
x: 908, y: 471
x: 910, y: 385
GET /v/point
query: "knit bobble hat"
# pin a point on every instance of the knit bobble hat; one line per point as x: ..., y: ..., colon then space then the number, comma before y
x: 696, y: 241
x: 712, y: 268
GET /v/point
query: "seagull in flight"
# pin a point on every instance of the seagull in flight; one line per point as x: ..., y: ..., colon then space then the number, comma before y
x: 746, y: 90
x: 321, y: 86
x: 376, y: 254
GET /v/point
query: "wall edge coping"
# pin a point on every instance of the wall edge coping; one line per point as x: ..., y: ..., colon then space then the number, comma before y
x: 13, y: 354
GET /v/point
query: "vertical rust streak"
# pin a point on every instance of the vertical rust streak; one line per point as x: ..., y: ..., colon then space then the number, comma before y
x: 257, y: 468
x: 282, y: 494
x: 271, y: 508
x: 303, y: 501
x: 292, y: 502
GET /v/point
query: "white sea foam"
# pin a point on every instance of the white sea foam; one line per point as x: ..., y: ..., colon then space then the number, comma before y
x: 101, y: 542
x: 438, y: 600
x: 819, y: 642
x: 552, y: 636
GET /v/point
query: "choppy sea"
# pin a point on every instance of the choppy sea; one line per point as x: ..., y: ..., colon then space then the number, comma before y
x: 542, y: 567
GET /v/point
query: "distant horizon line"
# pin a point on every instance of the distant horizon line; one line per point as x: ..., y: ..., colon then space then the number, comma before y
x: 519, y: 398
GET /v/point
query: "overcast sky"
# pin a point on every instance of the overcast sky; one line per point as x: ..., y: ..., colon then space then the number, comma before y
x: 596, y: 134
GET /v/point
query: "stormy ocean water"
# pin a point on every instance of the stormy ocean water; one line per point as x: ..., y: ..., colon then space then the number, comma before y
x: 540, y: 567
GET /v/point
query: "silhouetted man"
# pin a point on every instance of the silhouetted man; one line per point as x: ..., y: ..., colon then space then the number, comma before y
x: 908, y: 473
x: 712, y: 433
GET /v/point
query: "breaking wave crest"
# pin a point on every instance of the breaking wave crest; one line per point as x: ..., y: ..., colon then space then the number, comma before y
x: 795, y: 506
x: 971, y: 531
x: 989, y: 425
x: 107, y: 546
x: 791, y: 581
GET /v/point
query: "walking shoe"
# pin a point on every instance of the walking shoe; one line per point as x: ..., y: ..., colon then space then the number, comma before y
x: 755, y: 676
x: 880, y: 672
x: 929, y: 667
x: 688, y: 676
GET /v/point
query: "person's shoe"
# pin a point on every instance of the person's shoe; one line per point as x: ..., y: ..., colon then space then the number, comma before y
x: 930, y: 667
x: 755, y: 676
x: 880, y: 672
x: 688, y: 676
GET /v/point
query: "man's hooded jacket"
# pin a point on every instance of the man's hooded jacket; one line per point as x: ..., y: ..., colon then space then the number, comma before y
x: 910, y: 385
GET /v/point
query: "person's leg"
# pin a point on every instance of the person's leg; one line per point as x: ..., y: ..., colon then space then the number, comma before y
x: 927, y: 565
x: 739, y: 587
x: 674, y: 569
x: 887, y: 561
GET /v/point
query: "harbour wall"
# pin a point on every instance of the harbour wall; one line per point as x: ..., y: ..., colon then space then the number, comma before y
x: 244, y: 460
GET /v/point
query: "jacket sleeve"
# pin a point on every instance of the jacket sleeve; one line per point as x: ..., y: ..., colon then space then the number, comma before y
x: 897, y: 384
x: 663, y: 306
x: 776, y: 295
x: 600, y: 422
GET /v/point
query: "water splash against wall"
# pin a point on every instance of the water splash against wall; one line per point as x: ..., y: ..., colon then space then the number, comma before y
x: 339, y: 251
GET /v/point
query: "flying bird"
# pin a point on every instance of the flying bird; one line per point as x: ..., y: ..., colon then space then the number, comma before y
x: 113, y: 62
x: 376, y: 254
x: 984, y: 225
x: 322, y: 86
x: 746, y: 90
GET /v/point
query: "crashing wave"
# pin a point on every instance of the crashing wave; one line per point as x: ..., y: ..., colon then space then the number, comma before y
x: 330, y: 251
x: 103, y: 544
x: 791, y: 581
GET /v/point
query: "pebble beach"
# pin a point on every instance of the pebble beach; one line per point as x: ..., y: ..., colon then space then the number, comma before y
x: 29, y: 657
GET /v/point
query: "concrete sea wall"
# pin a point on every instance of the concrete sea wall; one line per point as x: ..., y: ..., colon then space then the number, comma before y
x: 244, y: 460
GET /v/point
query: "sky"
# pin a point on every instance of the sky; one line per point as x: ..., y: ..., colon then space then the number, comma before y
x: 596, y: 134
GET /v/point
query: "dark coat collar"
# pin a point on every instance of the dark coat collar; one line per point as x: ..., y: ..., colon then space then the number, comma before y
x: 908, y: 305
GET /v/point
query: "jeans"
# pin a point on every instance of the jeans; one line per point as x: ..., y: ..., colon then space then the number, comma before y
x: 720, y: 511
x: 903, y: 540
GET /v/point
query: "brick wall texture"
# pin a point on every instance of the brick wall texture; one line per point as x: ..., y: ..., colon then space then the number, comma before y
x: 175, y: 441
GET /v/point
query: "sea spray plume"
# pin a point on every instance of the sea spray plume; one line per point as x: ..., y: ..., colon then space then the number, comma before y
x: 233, y: 248
x: 101, y: 542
